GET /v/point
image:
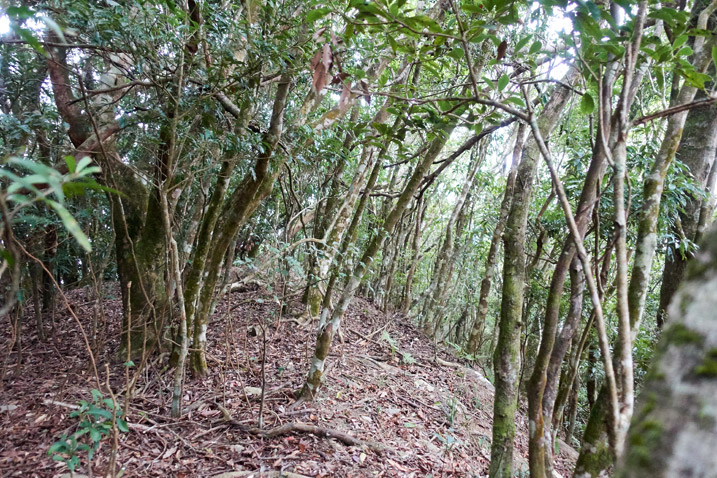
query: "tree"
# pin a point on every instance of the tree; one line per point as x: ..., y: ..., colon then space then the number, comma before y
x: 672, y: 433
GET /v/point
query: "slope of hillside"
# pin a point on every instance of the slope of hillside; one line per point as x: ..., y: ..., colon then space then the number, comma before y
x: 410, y: 411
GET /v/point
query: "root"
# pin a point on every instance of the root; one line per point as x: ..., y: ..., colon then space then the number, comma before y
x: 323, y: 432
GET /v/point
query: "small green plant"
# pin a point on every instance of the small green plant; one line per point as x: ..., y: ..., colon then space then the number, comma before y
x: 97, y: 419
x: 448, y: 441
x: 407, y: 358
x: 390, y: 340
x: 451, y: 410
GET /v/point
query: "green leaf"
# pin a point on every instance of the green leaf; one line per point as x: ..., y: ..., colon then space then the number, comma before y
x: 587, y: 104
x: 99, y: 412
x: 392, y: 43
x: 503, y: 81
x: 57, y: 447
x: 457, y: 53
x: 122, y: 425
x: 95, y: 435
x: 535, y: 47
x: 679, y: 41
x: 71, y: 163
x: 19, y: 13
x: 317, y: 14
x: 521, y: 44
x: 30, y: 39
x: 516, y: 100
x: 685, y: 51
x: 71, y: 225
x: 83, y: 163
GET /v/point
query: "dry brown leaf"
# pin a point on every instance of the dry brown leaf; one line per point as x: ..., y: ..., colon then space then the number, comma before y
x: 321, y: 64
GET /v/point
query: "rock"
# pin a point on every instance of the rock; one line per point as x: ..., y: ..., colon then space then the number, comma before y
x: 423, y: 385
x: 252, y: 391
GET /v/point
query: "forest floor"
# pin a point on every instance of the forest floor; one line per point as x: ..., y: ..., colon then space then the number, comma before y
x: 384, y: 386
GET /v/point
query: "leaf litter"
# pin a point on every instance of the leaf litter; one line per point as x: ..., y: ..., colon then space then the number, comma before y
x: 387, y: 384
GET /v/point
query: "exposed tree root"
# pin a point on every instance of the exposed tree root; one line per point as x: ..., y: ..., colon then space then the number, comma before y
x: 324, y: 432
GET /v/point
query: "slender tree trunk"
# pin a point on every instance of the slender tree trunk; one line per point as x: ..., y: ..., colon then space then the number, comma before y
x: 416, y: 247
x: 255, y: 186
x: 560, y: 349
x: 326, y: 333
x: 507, y: 355
x: 485, y: 285
x: 349, y: 238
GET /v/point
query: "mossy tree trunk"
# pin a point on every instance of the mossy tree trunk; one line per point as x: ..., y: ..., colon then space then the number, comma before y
x: 139, y: 229
x: 474, y: 340
x: 506, y: 360
x: 697, y: 153
x: 673, y: 431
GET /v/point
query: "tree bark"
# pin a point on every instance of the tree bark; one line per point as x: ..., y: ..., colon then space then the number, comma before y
x: 697, y: 153
x: 673, y: 432
x: 507, y: 355
x: 485, y: 285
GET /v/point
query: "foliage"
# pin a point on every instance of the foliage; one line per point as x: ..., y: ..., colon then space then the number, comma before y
x: 97, y: 420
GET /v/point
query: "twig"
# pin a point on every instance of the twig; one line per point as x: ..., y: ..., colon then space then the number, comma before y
x: 69, y: 308
x: 674, y: 110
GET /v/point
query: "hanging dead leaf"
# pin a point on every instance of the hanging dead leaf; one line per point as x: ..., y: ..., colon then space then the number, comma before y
x: 317, y: 34
x: 321, y: 65
x: 345, y: 97
x: 364, y: 88
x: 502, y: 48
x: 339, y: 78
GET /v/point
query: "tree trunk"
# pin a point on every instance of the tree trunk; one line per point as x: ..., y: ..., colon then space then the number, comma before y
x: 327, y: 330
x: 507, y: 355
x: 673, y: 432
x: 485, y: 285
x: 416, y: 247
x: 255, y: 186
x: 697, y: 153
x: 140, y: 244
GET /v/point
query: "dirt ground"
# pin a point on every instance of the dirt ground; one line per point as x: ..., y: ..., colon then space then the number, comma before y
x: 384, y: 386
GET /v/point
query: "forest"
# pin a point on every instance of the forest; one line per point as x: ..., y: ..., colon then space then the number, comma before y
x: 371, y: 238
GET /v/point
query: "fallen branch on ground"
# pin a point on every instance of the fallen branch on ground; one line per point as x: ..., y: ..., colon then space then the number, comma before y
x: 324, y: 432
x: 467, y: 370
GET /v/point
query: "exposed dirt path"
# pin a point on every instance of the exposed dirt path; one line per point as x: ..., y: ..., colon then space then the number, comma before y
x: 383, y: 387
